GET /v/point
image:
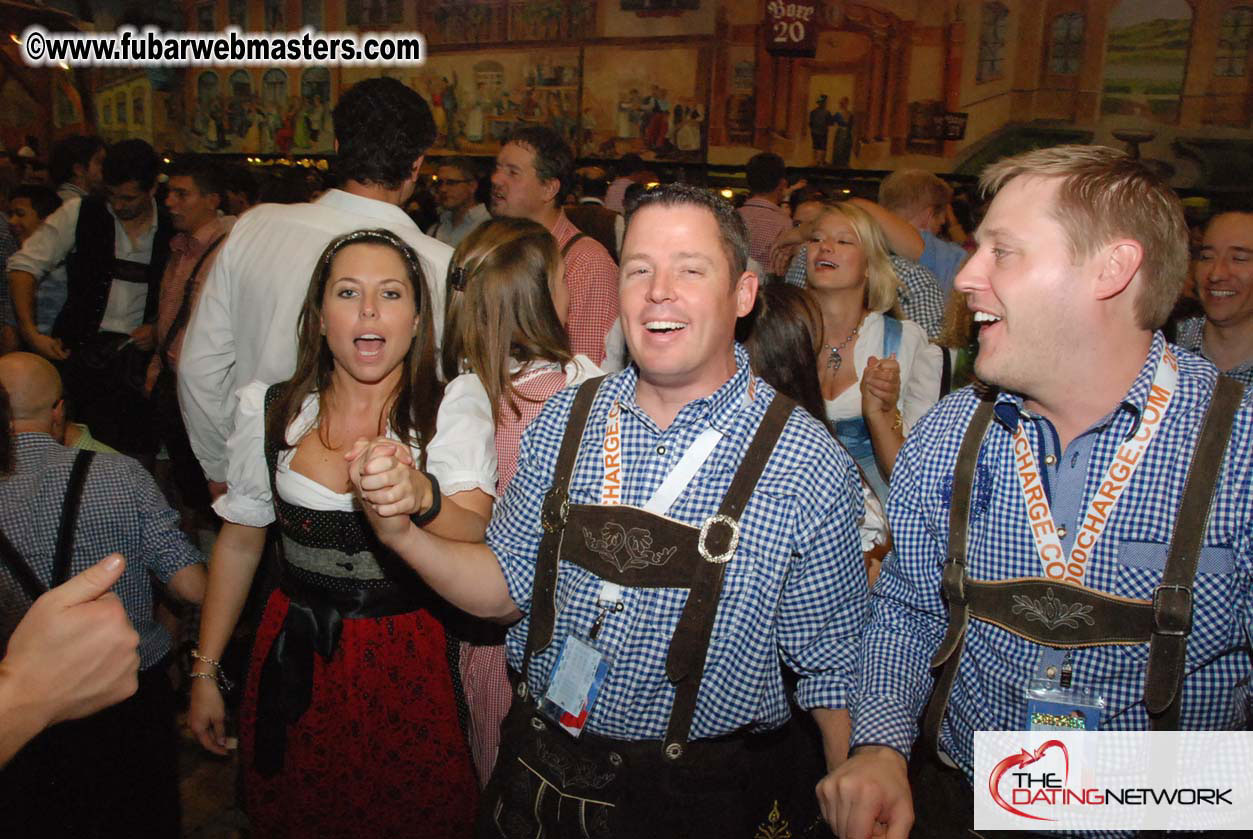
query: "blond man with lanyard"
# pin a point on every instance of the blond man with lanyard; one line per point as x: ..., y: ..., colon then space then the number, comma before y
x: 1108, y: 476
x: 676, y: 534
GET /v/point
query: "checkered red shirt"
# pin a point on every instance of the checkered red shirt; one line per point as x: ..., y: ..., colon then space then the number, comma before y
x: 185, y: 250
x: 615, y: 197
x: 592, y: 277
x: 765, y: 222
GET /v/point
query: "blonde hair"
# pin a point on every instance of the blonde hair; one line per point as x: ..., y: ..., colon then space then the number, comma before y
x: 1106, y: 195
x: 500, y: 307
x: 881, y: 281
x: 906, y: 191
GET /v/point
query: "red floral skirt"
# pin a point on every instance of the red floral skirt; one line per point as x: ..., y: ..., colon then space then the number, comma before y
x: 379, y: 752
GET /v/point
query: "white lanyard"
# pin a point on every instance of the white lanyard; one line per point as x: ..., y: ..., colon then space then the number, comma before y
x: 674, y: 484
x: 1072, y: 569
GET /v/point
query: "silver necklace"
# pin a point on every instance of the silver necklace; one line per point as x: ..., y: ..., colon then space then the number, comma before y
x: 834, y: 359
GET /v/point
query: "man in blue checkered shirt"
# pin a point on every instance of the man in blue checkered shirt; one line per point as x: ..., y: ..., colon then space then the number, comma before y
x: 1081, y: 257
x: 792, y: 592
x: 115, y: 772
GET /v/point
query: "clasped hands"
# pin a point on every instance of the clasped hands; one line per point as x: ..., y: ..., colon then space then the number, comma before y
x: 390, y: 486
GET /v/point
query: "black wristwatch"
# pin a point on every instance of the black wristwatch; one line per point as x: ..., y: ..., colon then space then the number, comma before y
x: 425, y: 518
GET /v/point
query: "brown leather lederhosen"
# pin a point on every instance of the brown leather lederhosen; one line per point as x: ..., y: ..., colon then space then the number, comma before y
x: 549, y: 783
x: 1164, y: 622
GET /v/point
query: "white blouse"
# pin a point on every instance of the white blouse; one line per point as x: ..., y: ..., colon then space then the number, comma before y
x: 921, y: 364
x: 451, y: 458
x: 466, y: 413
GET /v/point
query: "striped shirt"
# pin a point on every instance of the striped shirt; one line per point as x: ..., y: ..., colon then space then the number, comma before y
x: 793, y: 595
x: 909, y: 616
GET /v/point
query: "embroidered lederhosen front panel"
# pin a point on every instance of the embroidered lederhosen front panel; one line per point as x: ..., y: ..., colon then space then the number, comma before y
x: 631, y: 547
x: 1059, y: 614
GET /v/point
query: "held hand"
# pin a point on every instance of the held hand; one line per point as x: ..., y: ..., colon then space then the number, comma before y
x: 785, y: 247
x: 49, y: 347
x: 390, y: 488
x: 145, y: 337
x: 206, y: 715
x: 868, y: 795
x: 880, y: 386
x: 75, y: 651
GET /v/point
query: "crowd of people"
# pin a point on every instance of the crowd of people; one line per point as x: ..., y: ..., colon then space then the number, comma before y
x: 602, y: 507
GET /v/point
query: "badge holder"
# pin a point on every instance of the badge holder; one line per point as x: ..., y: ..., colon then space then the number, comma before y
x: 580, y: 671
x: 1060, y: 705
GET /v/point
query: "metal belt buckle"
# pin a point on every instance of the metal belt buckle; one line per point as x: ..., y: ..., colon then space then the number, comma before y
x: 1162, y: 615
x: 725, y: 556
x: 553, y: 520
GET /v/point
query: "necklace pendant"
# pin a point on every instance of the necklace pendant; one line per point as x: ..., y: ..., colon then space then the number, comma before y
x: 834, y: 360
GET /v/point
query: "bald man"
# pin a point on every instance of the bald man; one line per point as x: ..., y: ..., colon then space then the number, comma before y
x: 115, y: 772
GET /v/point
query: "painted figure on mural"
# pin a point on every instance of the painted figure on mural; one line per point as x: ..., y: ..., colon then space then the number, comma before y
x: 628, y: 119
x: 842, y: 151
x: 474, y: 114
x: 286, y: 134
x: 301, y: 138
x: 687, y: 138
x: 819, y: 124
x: 658, y: 118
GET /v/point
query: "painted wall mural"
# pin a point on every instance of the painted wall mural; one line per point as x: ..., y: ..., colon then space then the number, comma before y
x: 946, y: 85
x: 479, y: 97
x: 261, y: 112
x: 1146, y: 59
x: 647, y: 102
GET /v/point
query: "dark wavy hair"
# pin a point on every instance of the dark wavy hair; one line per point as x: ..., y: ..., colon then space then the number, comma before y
x: 412, y: 414
x: 130, y: 160
x: 74, y: 150
x: 783, y: 334
x: 554, y: 159
x: 382, y: 126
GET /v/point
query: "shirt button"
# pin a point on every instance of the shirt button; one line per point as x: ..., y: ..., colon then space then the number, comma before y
x: 661, y: 450
x: 1049, y: 460
x: 1061, y: 531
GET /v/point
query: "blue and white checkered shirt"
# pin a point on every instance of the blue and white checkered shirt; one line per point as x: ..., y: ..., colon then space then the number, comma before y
x: 794, y: 594
x: 1190, y: 335
x: 121, y: 510
x: 918, y: 292
x: 909, y: 617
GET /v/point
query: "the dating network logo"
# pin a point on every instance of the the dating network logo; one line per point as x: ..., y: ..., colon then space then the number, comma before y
x: 1113, y: 780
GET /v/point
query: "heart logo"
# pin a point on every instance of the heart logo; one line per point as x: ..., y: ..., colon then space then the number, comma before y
x: 1024, y: 758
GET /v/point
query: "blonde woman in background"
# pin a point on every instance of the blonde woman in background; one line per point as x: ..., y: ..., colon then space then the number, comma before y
x: 878, y: 373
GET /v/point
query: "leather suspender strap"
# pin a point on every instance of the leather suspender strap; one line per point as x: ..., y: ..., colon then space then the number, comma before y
x: 26, y: 578
x: 565, y: 249
x: 184, y: 308
x: 69, y: 517
x: 954, y: 575
x: 64, y: 551
x: 1172, y: 600
x: 689, y: 647
x: 553, y: 519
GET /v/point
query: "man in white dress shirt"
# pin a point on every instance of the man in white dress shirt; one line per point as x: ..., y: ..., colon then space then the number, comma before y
x: 244, y: 327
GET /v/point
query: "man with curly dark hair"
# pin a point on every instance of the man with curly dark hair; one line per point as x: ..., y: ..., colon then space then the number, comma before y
x: 244, y: 327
